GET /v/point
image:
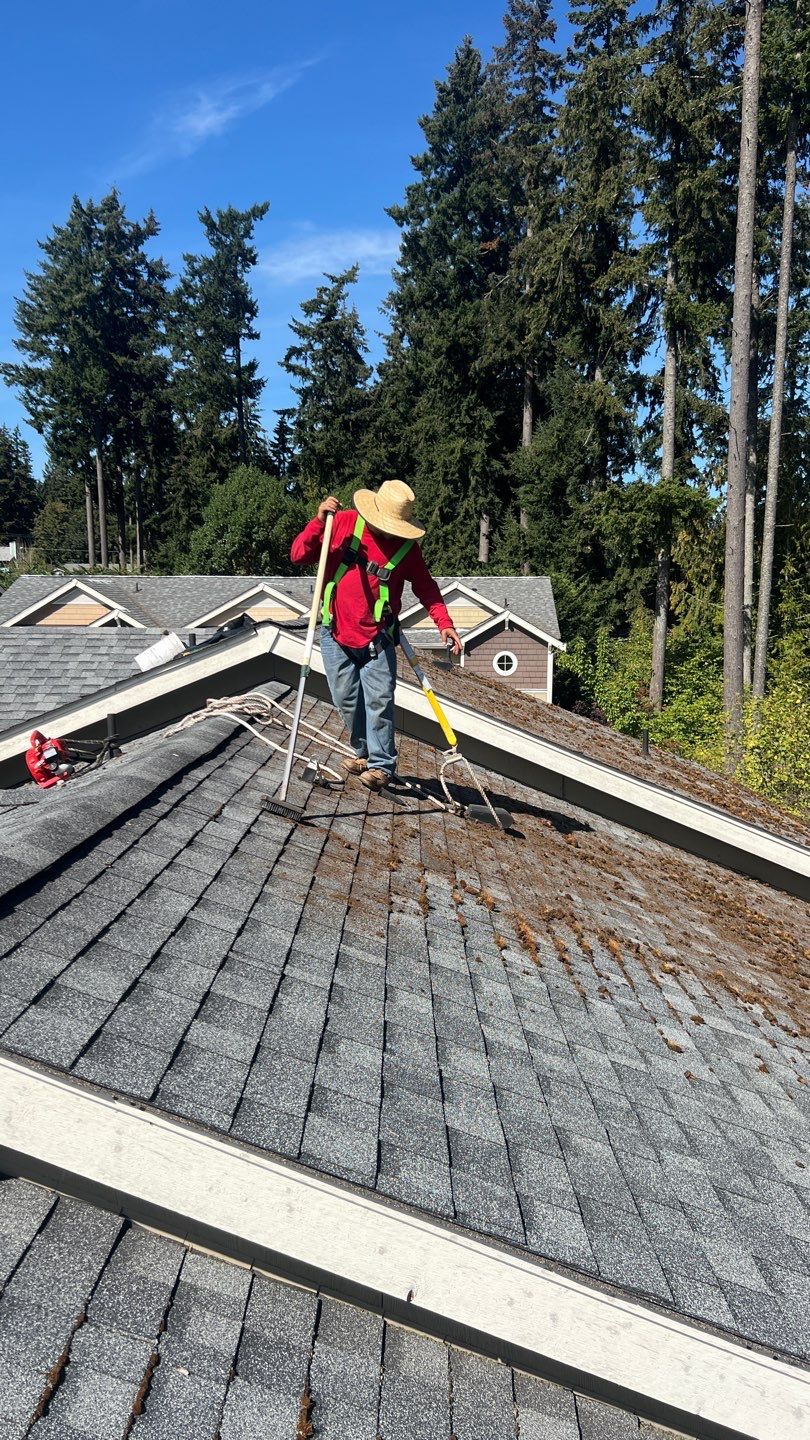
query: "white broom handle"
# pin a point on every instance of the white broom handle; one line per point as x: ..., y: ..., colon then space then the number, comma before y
x: 310, y: 640
x: 316, y: 596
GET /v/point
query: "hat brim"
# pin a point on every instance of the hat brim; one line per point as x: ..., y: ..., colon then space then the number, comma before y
x: 366, y: 504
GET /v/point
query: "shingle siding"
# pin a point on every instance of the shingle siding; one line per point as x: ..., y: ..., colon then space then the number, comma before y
x: 531, y: 655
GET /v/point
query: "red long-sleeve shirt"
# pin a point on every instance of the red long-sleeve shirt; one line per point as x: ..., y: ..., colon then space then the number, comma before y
x: 354, y: 598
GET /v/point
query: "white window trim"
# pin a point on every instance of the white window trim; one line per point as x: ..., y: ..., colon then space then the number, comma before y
x: 496, y: 667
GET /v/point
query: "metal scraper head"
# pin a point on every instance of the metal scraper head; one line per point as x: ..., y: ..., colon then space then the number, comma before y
x: 483, y: 815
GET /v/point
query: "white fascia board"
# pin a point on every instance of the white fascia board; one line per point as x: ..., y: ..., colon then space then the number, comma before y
x: 142, y: 688
x: 109, y: 621
x: 513, y: 619
x: 254, y: 592
x: 482, y: 600
x: 200, y: 1187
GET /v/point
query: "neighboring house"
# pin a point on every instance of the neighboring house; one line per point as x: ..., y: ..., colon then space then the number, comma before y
x: 8, y: 554
x: 508, y: 622
x: 164, y: 602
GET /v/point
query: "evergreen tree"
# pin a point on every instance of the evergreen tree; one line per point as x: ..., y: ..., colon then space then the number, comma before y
x: 594, y: 275
x: 282, y: 455
x: 681, y: 103
x: 447, y: 393
x: 528, y: 72
x: 19, y: 492
x: 89, y: 325
x: 330, y: 377
x: 216, y: 387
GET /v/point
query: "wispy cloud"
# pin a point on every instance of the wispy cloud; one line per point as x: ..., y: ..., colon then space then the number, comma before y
x: 311, y: 253
x: 183, y: 125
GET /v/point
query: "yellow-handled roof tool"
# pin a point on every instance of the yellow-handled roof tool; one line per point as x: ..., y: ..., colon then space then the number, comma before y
x: 487, y: 814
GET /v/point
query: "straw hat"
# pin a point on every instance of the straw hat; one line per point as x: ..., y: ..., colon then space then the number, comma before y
x: 390, y: 509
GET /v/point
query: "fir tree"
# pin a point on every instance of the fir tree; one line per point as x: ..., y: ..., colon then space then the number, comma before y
x: 282, y: 455
x: 330, y: 377
x: 216, y: 387
x: 89, y: 325
x: 592, y: 272
x: 446, y: 390
x: 528, y: 72
x: 680, y: 106
x: 19, y: 492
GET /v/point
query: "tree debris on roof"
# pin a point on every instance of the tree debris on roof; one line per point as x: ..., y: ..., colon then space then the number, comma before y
x: 622, y: 752
x: 555, y: 1040
x: 110, y: 1330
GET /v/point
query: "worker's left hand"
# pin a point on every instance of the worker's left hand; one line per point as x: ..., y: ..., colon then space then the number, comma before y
x: 451, y: 638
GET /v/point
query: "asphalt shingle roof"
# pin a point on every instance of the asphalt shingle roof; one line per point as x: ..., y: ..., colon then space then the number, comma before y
x: 173, y: 602
x: 575, y: 1040
x: 109, y: 1330
x: 41, y: 669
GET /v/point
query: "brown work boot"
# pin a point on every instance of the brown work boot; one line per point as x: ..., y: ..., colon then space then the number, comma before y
x: 374, y: 779
x: 356, y: 765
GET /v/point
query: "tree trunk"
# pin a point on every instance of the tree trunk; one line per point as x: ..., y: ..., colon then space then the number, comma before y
x: 240, y: 407
x: 526, y: 439
x: 121, y: 520
x: 138, y: 495
x: 660, y: 629
x: 483, y: 540
x: 102, y: 504
x: 775, y: 436
x: 738, y: 408
x: 527, y: 423
x: 88, y: 513
x: 659, y: 648
x: 751, y: 483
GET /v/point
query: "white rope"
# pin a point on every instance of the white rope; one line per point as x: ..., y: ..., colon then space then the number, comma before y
x: 329, y: 741
x: 256, y: 706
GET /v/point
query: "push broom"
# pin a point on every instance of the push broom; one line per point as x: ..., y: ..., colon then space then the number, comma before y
x: 281, y: 805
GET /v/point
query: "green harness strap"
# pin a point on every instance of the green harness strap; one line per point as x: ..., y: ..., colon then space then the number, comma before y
x: 383, y: 573
x: 388, y: 569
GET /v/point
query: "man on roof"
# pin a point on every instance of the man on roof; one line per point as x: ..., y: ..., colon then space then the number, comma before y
x: 374, y: 549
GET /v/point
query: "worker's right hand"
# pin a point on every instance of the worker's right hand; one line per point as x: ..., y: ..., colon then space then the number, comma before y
x: 327, y: 507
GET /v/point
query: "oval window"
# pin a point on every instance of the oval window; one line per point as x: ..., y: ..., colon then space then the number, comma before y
x: 505, y: 663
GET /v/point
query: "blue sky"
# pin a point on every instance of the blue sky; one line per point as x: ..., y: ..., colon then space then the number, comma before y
x: 184, y: 103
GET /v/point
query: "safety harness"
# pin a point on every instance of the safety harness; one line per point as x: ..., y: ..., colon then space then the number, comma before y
x: 351, y: 556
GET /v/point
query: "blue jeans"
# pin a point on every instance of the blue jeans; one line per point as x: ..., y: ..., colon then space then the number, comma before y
x: 364, y: 695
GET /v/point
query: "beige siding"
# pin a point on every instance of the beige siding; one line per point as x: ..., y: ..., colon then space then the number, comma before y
x: 70, y: 614
x: 532, y: 657
x: 465, y: 617
x: 273, y: 612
